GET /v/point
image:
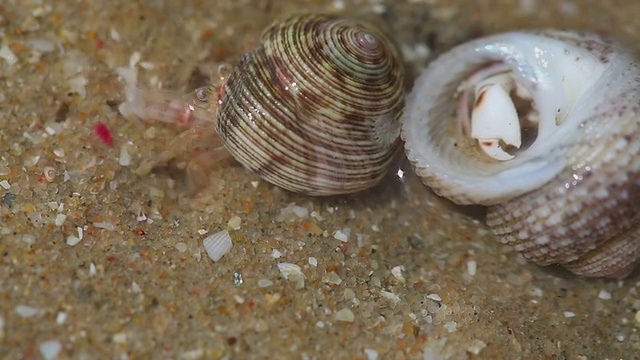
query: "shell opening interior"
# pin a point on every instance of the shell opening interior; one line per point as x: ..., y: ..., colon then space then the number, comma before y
x: 488, y: 120
x: 496, y: 114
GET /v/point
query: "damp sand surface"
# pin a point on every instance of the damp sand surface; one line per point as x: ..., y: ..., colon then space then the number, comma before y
x: 100, y: 259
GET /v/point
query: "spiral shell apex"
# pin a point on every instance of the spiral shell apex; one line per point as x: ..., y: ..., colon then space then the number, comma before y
x: 315, y: 108
x: 541, y: 127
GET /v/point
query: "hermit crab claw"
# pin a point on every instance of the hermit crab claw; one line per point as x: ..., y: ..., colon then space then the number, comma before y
x: 494, y: 122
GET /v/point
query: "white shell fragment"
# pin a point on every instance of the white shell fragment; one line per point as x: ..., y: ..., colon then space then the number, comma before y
x: 50, y: 349
x: 218, y: 245
x: 345, y: 315
x: 26, y: 311
x: 292, y: 273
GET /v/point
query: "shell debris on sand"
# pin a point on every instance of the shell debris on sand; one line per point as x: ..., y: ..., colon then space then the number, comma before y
x: 292, y: 273
x: 218, y: 245
x: 50, y: 349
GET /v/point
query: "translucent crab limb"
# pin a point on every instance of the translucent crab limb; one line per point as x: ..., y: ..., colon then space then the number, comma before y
x: 493, y: 120
x: 197, y: 112
x: 149, y: 105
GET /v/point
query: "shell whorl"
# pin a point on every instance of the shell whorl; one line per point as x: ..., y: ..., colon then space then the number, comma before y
x: 571, y: 196
x: 315, y: 108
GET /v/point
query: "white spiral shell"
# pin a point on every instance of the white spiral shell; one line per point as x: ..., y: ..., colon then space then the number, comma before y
x: 563, y: 183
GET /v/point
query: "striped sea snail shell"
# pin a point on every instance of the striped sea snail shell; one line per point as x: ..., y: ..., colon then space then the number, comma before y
x: 316, y: 107
x: 542, y: 128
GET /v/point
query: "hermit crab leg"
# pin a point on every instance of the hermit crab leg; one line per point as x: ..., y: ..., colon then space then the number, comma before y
x: 150, y: 105
x: 494, y: 120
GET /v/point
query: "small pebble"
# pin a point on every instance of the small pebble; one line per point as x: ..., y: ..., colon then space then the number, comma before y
x: 476, y: 346
x: 29, y: 239
x: 114, y: 34
x: 141, y: 217
x: 569, y: 314
x: 371, y: 354
x: 340, y: 235
x: 27, y: 311
x: 195, y: 354
x: 451, y: 326
x: 349, y: 294
x: 292, y: 273
x: 345, y: 315
x: 180, y: 246
x: 237, y: 279
x: 261, y: 326
x: 434, y: 297
x: 397, y: 273
x: 120, y: 338
x: 637, y: 316
x: 72, y: 240
x: 105, y: 225
x: 60, y: 219
x: 50, y: 349
x: 125, y: 157
x: 313, y: 261
x: 264, y: 283
x: 332, y: 278
x: 536, y: 291
x: 472, y: 267
x: 301, y: 212
x: 5, y: 184
x: 604, y: 295
x: 235, y: 223
x: 391, y: 297
x: 8, y: 55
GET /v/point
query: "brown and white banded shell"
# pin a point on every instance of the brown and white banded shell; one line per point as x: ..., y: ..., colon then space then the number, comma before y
x: 315, y: 108
x: 541, y: 127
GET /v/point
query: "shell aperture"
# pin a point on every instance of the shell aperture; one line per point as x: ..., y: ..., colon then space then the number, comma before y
x: 569, y: 194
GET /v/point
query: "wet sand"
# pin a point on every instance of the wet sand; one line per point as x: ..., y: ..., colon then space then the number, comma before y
x: 99, y: 259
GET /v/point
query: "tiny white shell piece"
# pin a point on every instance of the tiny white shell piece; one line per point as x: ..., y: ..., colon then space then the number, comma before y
x: 293, y: 273
x: 289, y: 269
x: 50, y: 349
x: 217, y: 245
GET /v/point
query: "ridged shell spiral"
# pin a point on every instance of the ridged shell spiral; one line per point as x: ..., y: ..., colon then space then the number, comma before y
x: 558, y: 165
x: 315, y: 107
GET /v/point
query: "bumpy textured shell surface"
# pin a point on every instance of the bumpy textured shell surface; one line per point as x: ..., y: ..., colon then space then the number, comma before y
x: 315, y: 108
x: 573, y: 196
